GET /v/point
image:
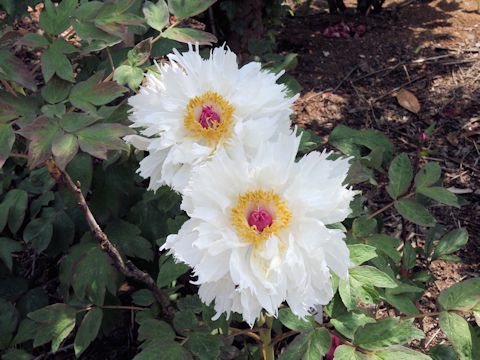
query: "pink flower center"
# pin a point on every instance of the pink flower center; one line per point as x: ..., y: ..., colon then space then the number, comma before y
x: 209, y: 117
x: 260, y: 218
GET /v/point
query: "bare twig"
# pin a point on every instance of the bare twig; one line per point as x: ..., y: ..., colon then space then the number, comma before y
x: 397, y: 88
x: 47, y: 354
x: 154, y: 40
x: 7, y: 87
x: 389, y: 205
x: 126, y: 267
x: 248, y: 332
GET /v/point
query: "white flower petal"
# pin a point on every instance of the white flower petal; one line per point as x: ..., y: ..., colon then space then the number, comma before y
x: 261, y: 110
x: 294, y: 264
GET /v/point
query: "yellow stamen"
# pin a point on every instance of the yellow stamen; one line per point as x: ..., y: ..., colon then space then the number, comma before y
x: 259, y: 199
x: 216, y: 134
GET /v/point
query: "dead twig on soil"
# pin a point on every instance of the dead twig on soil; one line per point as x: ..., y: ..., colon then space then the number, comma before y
x: 126, y: 267
x: 398, y: 88
x: 335, y: 88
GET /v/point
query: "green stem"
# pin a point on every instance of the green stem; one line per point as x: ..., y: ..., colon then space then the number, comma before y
x: 265, y: 333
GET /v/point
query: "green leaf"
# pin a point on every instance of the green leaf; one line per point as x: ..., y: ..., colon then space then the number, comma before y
x: 359, y: 173
x: 400, y: 174
x: 34, y: 299
x: 81, y: 169
x: 54, y: 323
x: 114, y: 18
x: 7, y: 139
x: 310, y: 345
x: 94, y: 274
x: 363, y: 227
x: 190, y: 302
x: 345, y: 352
x: 64, y: 149
x: 170, y: 271
x: 293, y: 322
x: 55, y: 62
x: 384, y: 333
x: 440, y: 195
x: 93, y: 91
x: 353, y: 142
x: 156, y: 15
x: 428, y: 175
x: 152, y: 331
x: 127, y: 237
x: 33, y: 40
x: 62, y: 46
x: 205, y: 346
x: 12, y: 209
x: 16, y: 354
x: 458, y: 332
x: 401, y: 353
x: 130, y: 75
x: 187, y: 35
x: 38, y: 232
x: 77, y: 121
x: 385, y: 244
x: 8, y: 322
x: 442, y: 352
x: 414, y: 212
x: 309, y: 140
x: 13, y: 69
x: 140, y: 53
x: 346, y: 295
x: 26, y: 331
x: 461, y: 296
x: 56, y: 90
x: 346, y: 324
x: 370, y: 275
x: 403, y: 297
x: 360, y: 253
x: 163, y: 351
x: 56, y: 19
x: 184, y: 321
x: 88, y: 330
x: 409, y: 256
x: 451, y: 242
x: 143, y: 297
x: 41, y: 133
x: 55, y: 110
x: 98, y: 139
x: 7, y: 247
x: 89, y: 271
x: 187, y: 8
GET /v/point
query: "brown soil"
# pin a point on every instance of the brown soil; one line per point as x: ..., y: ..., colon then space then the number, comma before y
x: 431, y: 49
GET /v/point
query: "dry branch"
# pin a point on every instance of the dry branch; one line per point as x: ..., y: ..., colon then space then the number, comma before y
x: 126, y: 267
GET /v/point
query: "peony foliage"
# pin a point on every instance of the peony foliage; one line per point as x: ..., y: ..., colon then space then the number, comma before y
x: 157, y: 202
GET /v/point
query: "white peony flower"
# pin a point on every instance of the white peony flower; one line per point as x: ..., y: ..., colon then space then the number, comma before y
x: 197, y: 106
x: 257, y: 232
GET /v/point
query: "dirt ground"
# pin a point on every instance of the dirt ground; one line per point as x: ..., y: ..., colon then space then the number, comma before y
x: 430, y: 48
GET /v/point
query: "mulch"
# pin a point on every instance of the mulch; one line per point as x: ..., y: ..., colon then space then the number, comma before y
x: 431, y: 49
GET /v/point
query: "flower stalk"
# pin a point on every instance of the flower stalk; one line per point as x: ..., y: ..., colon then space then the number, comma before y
x: 265, y: 323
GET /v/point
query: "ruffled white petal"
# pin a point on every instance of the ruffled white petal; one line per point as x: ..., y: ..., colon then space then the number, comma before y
x: 293, y: 266
x: 261, y: 111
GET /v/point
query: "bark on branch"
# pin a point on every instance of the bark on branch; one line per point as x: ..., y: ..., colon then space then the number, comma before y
x: 126, y: 267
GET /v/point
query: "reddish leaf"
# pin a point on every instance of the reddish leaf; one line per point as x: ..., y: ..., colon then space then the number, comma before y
x: 190, y: 36
x: 408, y: 101
x: 13, y: 69
x: 95, y: 92
x: 7, y: 138
x: 64, y: 148
x: 98, y: 139
x: 41, y: 133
